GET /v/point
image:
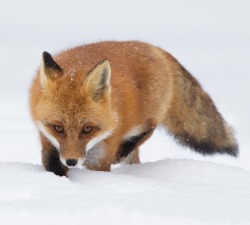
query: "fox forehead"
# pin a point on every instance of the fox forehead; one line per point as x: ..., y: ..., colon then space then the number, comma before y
x: 73, y: 113
x: 70, y: 119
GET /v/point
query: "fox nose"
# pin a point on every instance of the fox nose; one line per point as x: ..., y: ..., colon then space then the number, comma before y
x: 71, y: 162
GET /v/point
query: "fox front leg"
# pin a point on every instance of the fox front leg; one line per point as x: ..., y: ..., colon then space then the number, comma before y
x: 52, y: 163
x: 51, y: 160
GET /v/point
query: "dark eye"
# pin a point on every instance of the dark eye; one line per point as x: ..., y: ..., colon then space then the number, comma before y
x: 87, y: 130
x: 58, y: 128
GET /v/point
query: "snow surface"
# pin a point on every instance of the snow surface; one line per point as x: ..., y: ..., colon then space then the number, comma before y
x: 152, y: 193
x: 172, y: 185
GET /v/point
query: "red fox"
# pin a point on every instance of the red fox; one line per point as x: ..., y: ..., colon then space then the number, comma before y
x: 94, y: 105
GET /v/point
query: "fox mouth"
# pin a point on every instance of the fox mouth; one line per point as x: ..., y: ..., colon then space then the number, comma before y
x: 72, y: 163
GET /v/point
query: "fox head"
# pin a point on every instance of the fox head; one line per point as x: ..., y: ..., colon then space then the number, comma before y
x: 74, y: 111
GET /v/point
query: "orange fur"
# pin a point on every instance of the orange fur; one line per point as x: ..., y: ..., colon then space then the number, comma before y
x: 147, y: 88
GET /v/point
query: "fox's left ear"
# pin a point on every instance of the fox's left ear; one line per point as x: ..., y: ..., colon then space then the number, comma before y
x: 97, y: 83
x: 49, y: 70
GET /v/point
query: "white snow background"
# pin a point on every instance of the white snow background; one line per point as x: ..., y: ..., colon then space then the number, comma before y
x: 172, y: 185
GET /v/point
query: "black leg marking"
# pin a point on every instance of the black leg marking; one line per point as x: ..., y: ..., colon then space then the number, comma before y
x: 53, y: 163
x: 127, y: 146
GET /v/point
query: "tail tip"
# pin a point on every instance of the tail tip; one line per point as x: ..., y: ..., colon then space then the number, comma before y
x: 207, y: 147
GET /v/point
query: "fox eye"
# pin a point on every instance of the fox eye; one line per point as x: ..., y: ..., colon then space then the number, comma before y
x: 58, y: 128
x: 87, y: 130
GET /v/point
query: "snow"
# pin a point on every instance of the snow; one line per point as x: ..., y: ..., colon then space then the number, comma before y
x: 159, y: 192
x: 172, y: 185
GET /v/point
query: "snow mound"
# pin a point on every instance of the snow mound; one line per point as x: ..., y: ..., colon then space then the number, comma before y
x: 163, y: 192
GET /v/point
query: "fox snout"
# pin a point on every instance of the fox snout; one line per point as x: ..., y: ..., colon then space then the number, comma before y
x: 72, y: 162
x: 72, y: 155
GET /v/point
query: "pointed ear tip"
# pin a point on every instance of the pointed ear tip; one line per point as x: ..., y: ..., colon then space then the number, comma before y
x: 49, y: 63
x: 105, y: 61
x: 46, y: 54
x: 106, y: 64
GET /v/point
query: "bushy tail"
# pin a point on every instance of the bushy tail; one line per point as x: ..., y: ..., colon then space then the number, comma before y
x: 193, y: 119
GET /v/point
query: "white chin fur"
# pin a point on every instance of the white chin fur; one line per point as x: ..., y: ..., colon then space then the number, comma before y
x: 52, y: 139
x: 97, y: 140
x: 95, y: 154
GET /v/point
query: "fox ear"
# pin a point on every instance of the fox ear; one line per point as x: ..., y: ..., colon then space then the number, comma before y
x: 98, y: 81
x: 49, y: 70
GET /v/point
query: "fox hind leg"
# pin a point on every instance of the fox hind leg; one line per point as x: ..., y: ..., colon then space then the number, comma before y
x: 132, y: 158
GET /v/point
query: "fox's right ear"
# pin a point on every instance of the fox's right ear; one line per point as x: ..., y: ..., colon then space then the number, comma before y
x: 49, y: 70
